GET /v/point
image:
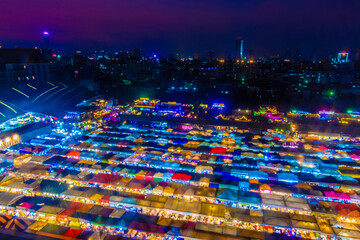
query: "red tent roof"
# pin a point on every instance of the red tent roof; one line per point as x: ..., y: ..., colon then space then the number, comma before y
x: 145, y: 227
x: 104, y: 178
x: 218, y: 150
x: 347, y: 206
x: 105, y: 199
x: 75, y: 205
x: 142, y: 196
x: 73, y: 154
x: 59, y: 170
x: 70, y: 210
x: 181, y: 176
x: 72, y: 232
x: 189, y: 225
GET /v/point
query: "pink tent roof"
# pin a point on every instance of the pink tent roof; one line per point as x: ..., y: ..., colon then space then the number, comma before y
x: 344, y: 196
x: 26, y: 205
x: 330, y: 194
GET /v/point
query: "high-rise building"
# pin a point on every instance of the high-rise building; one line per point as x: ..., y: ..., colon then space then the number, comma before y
x: 196, y: 55
x: 25, y: 64
x: 287, y: 54
x: 137, y: 53
x: 46, y: 40
x: 251, y: 54
x: 211, y: 54
x: 343, y: 57
x: 239, y: 49
x: 357, y: 56
x: 298, y: 54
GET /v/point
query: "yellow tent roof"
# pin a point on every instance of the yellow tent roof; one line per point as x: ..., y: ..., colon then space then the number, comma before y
x: 204, y: 179
x: 164, y: 221
x: 303, y: 186
x: 228, y: 139
x: 37, y: 226
x: 187, y: 153
x: 265, y: 187
x: 96, y: 197
x: 169, y: 190
x: 89, y: 162
x: 141, y: 173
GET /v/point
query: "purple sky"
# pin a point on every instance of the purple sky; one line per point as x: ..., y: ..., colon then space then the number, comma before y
x: 319, y: 27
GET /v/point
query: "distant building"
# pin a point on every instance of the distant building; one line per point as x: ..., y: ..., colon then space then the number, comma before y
x: 40, y: 72
x: 27, y: 64
x: 343, y: 57
x: 239, y: 48
x: 251, y: 54
x: 20, y: 55
x: 24, y: 64
x: 46, y: 50
x: 46, y: 40
x: 196, y: 55
x: 298, y: 54
x: 137, y: 53
x: 287, y: 55
x: 357, y: 57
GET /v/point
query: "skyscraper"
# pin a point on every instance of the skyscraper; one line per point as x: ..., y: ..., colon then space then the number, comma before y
x: 46, y: 40
x: 343, y: 57
x: 297, y: 54
x: 357, y: 56
x: 239, y: 48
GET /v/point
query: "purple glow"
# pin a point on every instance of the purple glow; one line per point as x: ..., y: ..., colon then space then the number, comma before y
x: 269, y: 115
x: 46, y: 33
x: 86, y: 24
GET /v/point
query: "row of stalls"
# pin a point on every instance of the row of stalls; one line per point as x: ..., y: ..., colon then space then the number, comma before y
x: 210, y: 174
x: 60, y: 217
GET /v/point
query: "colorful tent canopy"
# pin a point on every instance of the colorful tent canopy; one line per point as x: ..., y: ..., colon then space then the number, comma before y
x: 72, y: 232
x: 218, y: 150
x: 4, y: 219
x: 181, y: 176
x: 18, y: 224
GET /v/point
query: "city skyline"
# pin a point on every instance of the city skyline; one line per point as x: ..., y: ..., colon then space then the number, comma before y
x: 268, y: 27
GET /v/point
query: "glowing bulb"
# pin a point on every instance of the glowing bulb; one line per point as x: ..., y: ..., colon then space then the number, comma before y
x: 7, y: 139
x: 16, y: 137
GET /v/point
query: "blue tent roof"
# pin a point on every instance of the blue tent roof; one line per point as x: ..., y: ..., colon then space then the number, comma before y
x: 287, y: 177
x: 228, y: 194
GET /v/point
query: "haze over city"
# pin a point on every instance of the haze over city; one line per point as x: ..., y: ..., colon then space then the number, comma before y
x: 320, y: 28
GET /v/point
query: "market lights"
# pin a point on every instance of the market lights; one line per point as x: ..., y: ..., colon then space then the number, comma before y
x: 207, y: 167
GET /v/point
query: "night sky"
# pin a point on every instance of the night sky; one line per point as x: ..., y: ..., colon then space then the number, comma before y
x: 318, y: 27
